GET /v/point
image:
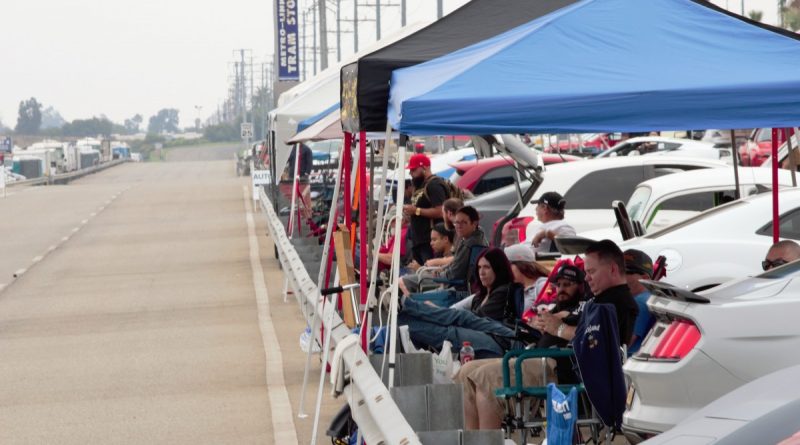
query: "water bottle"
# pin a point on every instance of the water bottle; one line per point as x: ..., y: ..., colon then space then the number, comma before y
x: 467, y: 354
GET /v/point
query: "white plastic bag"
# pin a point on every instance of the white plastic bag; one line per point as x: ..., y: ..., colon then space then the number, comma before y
x: 443, y: 364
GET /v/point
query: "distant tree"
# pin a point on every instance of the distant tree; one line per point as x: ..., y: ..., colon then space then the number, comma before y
x: 755, y: 15
x: 222, y: 132
x: 133, y: 124
x: 51, y: 118
x: 30, y: 117
x: 790, y: 14
x: 166, y: 121
x: 96, y: 126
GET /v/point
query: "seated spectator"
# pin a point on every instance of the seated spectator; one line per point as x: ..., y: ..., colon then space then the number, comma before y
x: 639, y: 266
x: 449, y: 209
x: 481, y: 377
x: 442, y: 242
x: 470, y: 234
x: 605, y: 275
x: 429, y: 326
x: 386, y: 251
x: 781, y: 253
x: 550, y: 212
x: 527, y: 272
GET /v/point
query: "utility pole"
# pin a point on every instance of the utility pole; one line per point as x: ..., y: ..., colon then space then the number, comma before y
x: 323, y: 34
x: 355, y: 26
x: 377, y: 19
x: 338, y: 30
x: 314, y: 36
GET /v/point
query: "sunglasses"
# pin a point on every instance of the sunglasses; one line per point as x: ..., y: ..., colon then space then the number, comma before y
x: 767, y: 264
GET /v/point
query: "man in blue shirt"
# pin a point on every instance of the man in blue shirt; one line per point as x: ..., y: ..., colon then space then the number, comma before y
x: 639, y: 266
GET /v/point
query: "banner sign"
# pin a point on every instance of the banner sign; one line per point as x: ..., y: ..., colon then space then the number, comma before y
x: 287, y: 40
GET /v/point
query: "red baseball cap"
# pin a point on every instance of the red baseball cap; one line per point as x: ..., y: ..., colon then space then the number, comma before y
x: 418, y: 160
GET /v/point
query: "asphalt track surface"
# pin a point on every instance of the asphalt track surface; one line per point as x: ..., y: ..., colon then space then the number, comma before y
x: 138, y: 313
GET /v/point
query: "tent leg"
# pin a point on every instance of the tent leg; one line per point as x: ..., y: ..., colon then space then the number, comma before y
x: 790, y: 152
x: 362, y: 232
x: 776, y: 229
x: 735, y: 156
x: 398, y: 227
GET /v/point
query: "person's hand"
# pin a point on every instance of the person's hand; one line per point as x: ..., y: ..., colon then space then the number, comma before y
x: 537, y: 239
x: 409, y: 209
x: 550, y: 321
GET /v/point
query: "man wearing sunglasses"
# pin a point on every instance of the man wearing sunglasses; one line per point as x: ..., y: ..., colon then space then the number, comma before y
x: 781, y: 253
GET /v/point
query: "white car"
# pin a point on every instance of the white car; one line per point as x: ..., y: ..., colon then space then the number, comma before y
x: 666, y: 200
x: 661, y: 146
x: 590, y: 187
x: 766, y: 410
x: 723, y: 243
x: 708, y: 344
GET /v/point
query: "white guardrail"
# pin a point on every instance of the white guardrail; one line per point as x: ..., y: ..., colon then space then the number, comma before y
x: 66, y: 177
x: 379, y: 419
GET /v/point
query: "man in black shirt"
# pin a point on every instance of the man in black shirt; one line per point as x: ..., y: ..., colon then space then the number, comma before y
x: 425, y: 208
x: 605, y: 275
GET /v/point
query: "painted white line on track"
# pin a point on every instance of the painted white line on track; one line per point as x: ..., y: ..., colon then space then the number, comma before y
x: 75, y: 230
x: 64, y: 239
x: 51, y: 248
x: 84, y: 221
x: 19, y: 272
x: 2, y: 286
x: 93, y: 214
x: 36, y: 259
x: 283, y: 428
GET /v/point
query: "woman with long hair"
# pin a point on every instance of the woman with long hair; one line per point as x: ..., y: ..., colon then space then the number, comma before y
x: 482, y: 325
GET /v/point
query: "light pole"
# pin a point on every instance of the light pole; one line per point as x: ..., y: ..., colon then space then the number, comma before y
x: 198, y: 109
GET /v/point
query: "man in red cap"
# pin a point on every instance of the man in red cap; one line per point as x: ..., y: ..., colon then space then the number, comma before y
x: 425, y: 208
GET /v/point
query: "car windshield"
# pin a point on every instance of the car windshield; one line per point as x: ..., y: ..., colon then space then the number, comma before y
x: 692, y: 220
x: 637, y: 204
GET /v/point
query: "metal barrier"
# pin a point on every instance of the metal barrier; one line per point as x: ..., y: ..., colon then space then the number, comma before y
x: 66, y: 177
x: 372, y: 407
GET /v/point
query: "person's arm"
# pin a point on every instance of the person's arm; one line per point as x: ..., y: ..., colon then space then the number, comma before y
x: 385, y: 258
x: 458, y: 268
x: 553, y: 324
x: 439, y: 262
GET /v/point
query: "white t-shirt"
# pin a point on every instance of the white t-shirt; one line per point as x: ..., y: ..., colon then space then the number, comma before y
x: 559, y: 226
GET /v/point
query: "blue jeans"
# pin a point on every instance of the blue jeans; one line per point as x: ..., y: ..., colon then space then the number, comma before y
x: 431, y: 326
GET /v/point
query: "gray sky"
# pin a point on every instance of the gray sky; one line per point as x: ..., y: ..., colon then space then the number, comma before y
x: 119, y: 58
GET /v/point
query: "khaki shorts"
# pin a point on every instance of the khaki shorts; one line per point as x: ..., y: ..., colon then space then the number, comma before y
x: 487, y: 376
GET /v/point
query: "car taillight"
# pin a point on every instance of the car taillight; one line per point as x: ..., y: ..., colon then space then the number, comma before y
x: 680, y: 337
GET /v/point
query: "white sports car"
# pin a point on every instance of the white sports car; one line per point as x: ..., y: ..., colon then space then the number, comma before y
x: 707, y: 344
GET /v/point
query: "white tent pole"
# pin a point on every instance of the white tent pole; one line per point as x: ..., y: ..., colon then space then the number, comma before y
x: 292, y: 207
x: 323, y: 268
x: 398, y: 227
x: 326, y: 345
x: 378, y: 237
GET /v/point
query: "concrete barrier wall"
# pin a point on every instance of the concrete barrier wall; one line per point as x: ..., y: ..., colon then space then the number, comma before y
x: 66, y: 177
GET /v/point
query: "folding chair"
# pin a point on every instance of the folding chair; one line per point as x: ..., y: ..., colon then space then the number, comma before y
x: 604, y: 392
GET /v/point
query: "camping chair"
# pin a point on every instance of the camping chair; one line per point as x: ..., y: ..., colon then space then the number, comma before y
x: 454, y: 290
x: 601, y: 398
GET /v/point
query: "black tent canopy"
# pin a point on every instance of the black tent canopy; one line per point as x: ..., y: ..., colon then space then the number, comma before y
x: 365, y: 83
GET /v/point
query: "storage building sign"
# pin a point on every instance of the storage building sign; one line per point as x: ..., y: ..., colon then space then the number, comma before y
x: 287, y: 40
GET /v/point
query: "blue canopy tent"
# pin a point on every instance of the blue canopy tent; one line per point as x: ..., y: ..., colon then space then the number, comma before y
x: 305, y: 123
x: 608, y: 66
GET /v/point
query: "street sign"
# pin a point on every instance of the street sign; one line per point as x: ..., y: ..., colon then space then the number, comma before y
x: 260, y: 177
x: 7, y: 145
x: 247, y: 130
